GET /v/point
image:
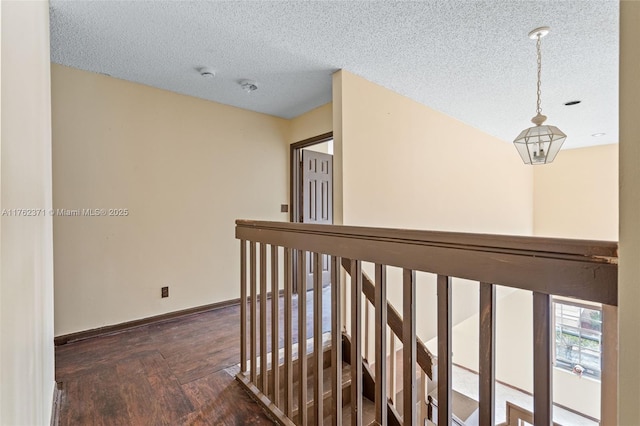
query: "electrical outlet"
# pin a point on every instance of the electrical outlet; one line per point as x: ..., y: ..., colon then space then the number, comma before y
x: 165, y: 291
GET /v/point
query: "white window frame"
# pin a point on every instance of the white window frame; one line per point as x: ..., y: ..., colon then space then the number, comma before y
x: 568, y: 365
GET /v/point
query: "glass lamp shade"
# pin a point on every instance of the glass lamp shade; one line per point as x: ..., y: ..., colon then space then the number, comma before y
x: 539, y: 144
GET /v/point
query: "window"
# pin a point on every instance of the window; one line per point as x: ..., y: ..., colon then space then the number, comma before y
x: 578, y: 342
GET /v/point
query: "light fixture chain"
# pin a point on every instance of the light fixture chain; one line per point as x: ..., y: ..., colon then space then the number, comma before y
x: 541, y: 143
x: 539, y: 93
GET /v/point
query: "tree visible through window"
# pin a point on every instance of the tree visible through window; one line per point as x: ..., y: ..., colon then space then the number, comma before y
x: 578, y: 344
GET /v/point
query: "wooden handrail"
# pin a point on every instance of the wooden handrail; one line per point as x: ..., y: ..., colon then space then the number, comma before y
x: 607, y: 250
x: 572, y: 268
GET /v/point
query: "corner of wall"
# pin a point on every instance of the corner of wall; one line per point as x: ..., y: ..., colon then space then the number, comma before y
x: 338, y: 214
x: 312, y: 123
x: 26, y: 257
x: 629, y: 270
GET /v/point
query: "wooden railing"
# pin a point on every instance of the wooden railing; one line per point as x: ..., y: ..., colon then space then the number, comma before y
x: 585, y: 270
x: 393, y: 321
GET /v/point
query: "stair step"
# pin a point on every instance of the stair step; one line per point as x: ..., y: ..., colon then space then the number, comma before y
x: 326, y: 363
x: 462, y: 407
x: 368, y: 414
x: 327, y: 394
x: 368, y: 407
x: 398, y: 401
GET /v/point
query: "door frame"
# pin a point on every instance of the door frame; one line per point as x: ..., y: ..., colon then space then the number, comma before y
x: 294, y: 175
x: 295, y: 186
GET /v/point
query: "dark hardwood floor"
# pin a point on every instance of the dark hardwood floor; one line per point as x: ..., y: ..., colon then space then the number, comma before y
x: 170, y: 373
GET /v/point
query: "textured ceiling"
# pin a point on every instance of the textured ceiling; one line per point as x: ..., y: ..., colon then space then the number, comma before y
x: 469, y: 59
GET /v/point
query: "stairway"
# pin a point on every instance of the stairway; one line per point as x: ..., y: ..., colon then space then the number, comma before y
x: 367, y: 405
x: 464, y: 408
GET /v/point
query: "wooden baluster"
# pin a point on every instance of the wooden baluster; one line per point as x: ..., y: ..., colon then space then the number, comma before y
x: 422, y: 396
x: 380, y: 307
x: 486, y: 364
x: 609, y: 378
x: 542, y: 372
x: 445, y: 375
x: 243, y: 306
x: 343, y: 308
x: 288, y: 327
x: 409, y: 347
x: 275, y: 332
x: 302, y: 338
x: 317, y: 336
x: 393, y: 372
x: 336, y: 341
x: 365, y: 306
x: 356, y: 343
x: 264, y: 374
x: 253, y: 303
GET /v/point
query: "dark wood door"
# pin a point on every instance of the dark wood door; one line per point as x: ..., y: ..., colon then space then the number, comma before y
x: 317, y: 201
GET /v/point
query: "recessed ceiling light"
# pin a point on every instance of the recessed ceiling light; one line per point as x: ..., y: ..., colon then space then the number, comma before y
x: 248, y: 86
x: 597, y: 135
x: 572, y: 103
x: 207, y: 72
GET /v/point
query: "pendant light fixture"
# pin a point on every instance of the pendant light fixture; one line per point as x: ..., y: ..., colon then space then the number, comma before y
x: 539, y: 144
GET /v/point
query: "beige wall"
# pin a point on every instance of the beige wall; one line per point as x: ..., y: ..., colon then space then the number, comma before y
x: 316, y: 122
x: 184, y: 168
x: 430, y: 169
x: 577, y: 195
x: 408, y: 166
x: 26, y: 263
x: 629, y: 269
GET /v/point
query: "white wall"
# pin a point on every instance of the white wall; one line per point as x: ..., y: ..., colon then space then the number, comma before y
x: 184, y: 168
x: 26, y: 264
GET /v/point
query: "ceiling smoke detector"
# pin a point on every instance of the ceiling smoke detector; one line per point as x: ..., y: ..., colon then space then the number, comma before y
x: 249, y: 86
x: 207, y: 72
